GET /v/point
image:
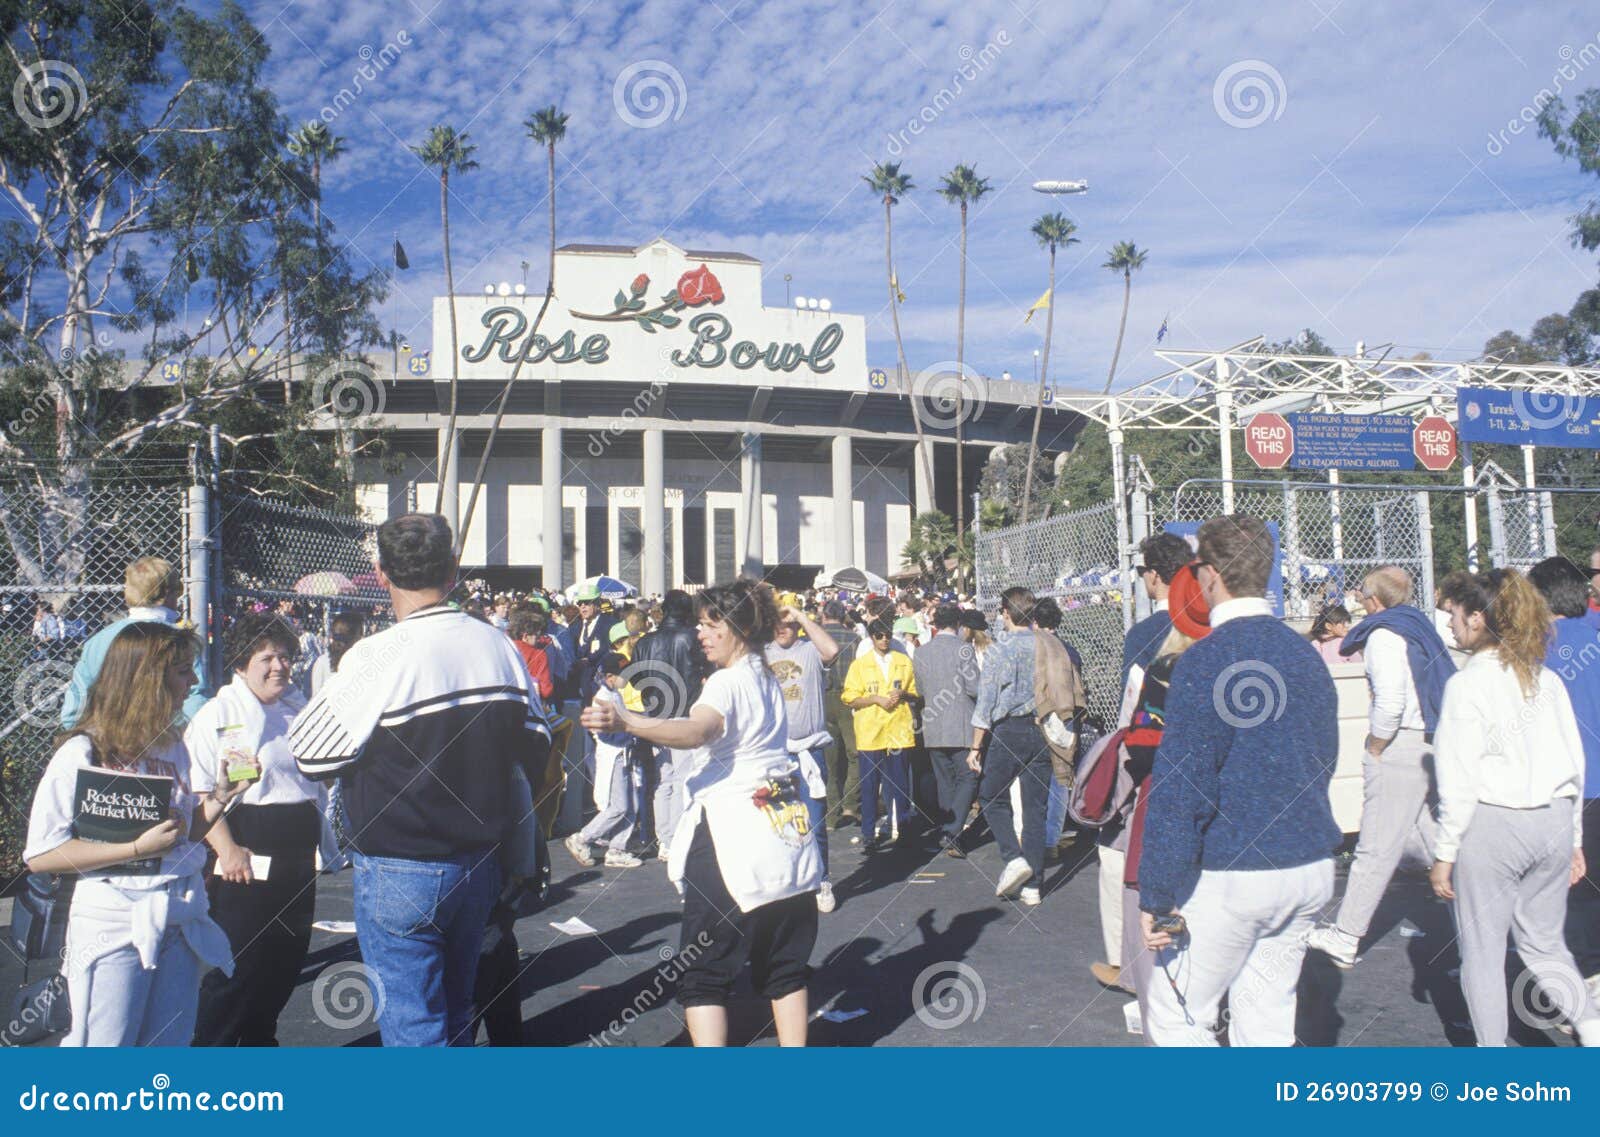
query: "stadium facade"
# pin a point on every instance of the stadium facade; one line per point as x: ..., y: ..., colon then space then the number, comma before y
x: 661, y: 395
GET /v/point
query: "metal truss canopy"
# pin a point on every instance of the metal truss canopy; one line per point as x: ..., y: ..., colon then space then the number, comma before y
x: 1215, y: 389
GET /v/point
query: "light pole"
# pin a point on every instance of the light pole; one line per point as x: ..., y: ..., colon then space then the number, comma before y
x: 1036, y: 366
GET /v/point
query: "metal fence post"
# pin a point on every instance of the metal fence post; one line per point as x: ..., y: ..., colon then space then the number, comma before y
x: 197, y: 582
x: 1141, y: 530
x: 1497, y: 530
x: 1547, y: 512
x: 1425, y: 541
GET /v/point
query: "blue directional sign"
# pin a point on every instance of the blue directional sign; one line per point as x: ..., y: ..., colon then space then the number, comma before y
x: 171, y: 371
x: 417, y: 365
x: 877, y: 378
x: 1528, y: 418
x: 1352, y: 442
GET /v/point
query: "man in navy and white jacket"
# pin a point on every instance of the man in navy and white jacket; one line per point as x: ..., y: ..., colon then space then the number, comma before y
x: 422, y: 724
x: 1239, y: 838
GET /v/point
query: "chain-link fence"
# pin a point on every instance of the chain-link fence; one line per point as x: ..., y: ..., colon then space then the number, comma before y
x: 1330, y: 536
x: 1522, y: 527
x: 68, y: 545
x: 1073, y: 559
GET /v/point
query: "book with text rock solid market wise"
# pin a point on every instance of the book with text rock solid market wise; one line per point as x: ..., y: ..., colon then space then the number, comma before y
x: 116, y: 807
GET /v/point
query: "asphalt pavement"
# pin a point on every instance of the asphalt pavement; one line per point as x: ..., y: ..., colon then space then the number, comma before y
x: 919, y: 952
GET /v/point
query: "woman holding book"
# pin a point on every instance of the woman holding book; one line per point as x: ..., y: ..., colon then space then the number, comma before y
x: 139, y: 932
x: 264, y: 888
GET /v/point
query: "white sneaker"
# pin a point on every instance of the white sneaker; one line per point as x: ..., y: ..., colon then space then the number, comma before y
x: 1336, y: 945
x: 1013, y: 877
x: 622, y: 859
x: 825, y: 900
x: 580, y: 851
x: 1030, y: 897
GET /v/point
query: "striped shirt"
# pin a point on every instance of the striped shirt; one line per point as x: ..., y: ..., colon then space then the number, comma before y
x: 421, y: 724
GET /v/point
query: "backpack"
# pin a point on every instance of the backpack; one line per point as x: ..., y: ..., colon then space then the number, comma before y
x: 1103, y: 789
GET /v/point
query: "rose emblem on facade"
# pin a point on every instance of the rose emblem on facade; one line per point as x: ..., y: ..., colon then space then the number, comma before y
x: 696, y: 287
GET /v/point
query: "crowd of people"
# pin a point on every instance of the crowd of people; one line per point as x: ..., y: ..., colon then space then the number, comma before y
x: 737, y: 733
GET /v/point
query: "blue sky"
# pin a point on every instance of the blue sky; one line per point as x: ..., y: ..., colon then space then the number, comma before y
x: 1344, y: 166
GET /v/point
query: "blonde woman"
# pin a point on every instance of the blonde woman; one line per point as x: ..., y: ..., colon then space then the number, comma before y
x: 136, y: 944
x: 1510, y: 769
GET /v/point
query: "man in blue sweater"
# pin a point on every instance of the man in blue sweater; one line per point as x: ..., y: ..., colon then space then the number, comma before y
x: 1239, y: 837
x: 1574, y: 654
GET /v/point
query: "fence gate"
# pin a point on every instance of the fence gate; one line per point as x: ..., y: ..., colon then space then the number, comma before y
x: 1522, y: 527
x: 1073, y: 559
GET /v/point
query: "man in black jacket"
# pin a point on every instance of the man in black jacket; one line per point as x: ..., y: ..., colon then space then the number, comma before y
x: 669, y: 666
x: 589, y: 641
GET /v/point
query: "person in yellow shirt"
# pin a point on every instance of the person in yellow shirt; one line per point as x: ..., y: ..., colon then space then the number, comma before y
x: 881, y: 689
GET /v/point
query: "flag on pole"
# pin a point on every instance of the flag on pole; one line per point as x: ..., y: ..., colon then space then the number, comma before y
x: 191, y: 268
x: 1042, y: 302
x: 1161, y: 332
x: 400, y: 261
x: 894, y: 283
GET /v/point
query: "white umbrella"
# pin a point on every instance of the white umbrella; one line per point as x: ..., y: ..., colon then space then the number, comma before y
x: 859, y: 580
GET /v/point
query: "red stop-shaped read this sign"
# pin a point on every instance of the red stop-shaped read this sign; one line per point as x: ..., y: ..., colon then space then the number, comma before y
x: 1269, y: 440
x: 1434, y: 443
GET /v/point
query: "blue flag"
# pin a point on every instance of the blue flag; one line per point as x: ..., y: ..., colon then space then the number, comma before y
x: 1161, y: 332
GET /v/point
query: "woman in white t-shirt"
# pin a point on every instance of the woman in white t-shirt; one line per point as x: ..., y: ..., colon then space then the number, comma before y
x: 264, y: 889
x: 744, y: 851
x: 136, y: 942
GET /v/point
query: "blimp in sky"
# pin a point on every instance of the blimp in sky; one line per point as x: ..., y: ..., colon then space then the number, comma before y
x: 1062, y: 187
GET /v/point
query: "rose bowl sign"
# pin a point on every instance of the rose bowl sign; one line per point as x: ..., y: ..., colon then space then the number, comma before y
x: 1434, y: 443
x: 652, y: 314
x: 1269, y: 441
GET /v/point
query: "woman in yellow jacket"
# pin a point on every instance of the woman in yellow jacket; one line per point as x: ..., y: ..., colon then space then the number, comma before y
x: 881, y: 688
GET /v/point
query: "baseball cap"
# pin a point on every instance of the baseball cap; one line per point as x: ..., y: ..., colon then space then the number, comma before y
x: 907, y: 626
x: 619, y: 631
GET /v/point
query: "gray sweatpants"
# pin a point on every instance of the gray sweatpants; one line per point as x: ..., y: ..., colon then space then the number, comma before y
x: 1511, y: 877
x: 1396, y: 821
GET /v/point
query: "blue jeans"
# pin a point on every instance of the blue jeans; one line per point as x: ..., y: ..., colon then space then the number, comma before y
x: 1017, y: 752
x: 420, y: 925
x: 886, y: 773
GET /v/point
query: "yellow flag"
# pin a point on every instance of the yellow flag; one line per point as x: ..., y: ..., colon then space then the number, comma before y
x: 894, y: 283
x: 1042, y: 302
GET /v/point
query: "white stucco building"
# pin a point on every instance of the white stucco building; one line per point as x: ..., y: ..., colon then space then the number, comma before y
x: 662, y: 396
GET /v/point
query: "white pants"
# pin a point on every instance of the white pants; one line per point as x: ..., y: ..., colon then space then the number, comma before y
x: 116, y: 1001
x: 1246, y: 940
x: 1113, y: 862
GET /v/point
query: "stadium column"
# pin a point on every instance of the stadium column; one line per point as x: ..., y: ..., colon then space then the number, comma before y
x: 550, y: 513
x: 450, y: 462
x: 844, y: 511
x: 750, y: 511
x: 925, y: 498
x: 655, y: 514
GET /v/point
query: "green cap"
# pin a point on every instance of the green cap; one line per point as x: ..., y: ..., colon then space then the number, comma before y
x: 619, y: 631
x: 907, y: 626
x: 587, y: 592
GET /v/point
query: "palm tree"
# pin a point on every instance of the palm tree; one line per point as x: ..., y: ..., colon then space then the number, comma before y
x: 315, y: 141
x: 962, y: 186
x: 447, y: 149
x: 1124, y: 258
x: 546, y: 127
x: 887, y: 181
x: 1054, y: 232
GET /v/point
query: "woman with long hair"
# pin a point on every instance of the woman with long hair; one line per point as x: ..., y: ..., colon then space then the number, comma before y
x: 136, y: 942
x: 744, y: 853
x: 275, y: 824
x: 1510, y: 770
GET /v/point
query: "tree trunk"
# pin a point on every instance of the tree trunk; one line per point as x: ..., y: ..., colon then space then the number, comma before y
x: 961, y: 379
x: 900, y: 349
x: 505, y: 392
x: 450, y: 288
x: 1038, y: 409
x: 1127, y: 291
